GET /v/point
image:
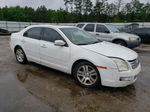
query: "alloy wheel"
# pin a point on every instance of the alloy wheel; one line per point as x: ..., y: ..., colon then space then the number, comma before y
x: 87, y: 75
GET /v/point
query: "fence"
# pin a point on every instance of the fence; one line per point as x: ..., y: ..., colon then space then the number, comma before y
x: 17, y: 26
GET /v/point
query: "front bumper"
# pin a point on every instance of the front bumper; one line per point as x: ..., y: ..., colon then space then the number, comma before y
x: 133, y: 43
x: 113, y: 78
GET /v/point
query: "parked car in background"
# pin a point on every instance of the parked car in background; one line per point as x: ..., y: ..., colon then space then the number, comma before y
x: 143, y: 33
x: 4, y: 32
x: 74, y: 51
x: 130, y: 27
x: 108, y: 32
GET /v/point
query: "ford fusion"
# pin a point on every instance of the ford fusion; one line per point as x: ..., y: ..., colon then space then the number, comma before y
x: 74, y: 51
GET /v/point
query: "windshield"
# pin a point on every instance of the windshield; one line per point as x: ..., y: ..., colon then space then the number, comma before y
x: 113, y: 28
x: 79, y: 37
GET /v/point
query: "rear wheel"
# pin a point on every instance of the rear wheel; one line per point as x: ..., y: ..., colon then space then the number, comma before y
x: 86, y: 74
x: 121, y: 42
x: 20, y: 55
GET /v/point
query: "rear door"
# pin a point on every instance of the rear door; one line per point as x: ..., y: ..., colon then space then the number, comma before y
x: 31, y: 42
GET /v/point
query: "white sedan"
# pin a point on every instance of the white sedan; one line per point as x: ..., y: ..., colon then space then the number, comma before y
x: 74, y: 51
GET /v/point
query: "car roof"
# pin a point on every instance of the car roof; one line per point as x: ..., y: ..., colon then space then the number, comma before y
x: 90, y: 23
x: 52, y: 26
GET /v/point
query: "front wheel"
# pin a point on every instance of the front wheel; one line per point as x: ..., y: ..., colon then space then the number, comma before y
x: 120, y: 42
x: 20, y: 55
x: 86, y: 74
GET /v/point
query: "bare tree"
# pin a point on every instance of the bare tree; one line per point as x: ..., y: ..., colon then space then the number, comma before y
x: 69, y: 4
x: 119, y: 5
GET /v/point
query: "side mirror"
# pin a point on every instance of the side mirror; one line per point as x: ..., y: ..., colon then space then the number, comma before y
x: 25, y: 34
x: 59, y: 43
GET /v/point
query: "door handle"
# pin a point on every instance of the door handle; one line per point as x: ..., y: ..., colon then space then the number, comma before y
x: 43, y: 46
x: 97, y: 34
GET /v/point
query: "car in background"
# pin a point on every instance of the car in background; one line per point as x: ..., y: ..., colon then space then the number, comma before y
x: 130, y: 27
x: 108, y: 32
x: 143, y: 33
x: 74, y: 51
x: 4, y: 32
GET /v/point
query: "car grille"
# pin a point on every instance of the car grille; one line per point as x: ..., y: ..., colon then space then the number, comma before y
x: 134, y: 63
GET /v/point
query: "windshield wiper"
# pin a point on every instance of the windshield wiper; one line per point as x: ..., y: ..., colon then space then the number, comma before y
x: 96, y: 42
x: 83, y: 44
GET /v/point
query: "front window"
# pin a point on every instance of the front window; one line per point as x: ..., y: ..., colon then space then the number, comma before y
x: 89, y: 27
x: 79, y: 37
x: 113, y: 28
x: 101, y: 29
x: 51, y: 35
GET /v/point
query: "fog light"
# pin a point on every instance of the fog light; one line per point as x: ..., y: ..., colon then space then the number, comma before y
x: 126, y: 78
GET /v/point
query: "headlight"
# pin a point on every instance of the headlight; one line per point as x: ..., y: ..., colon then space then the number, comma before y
x: 132, y: 38
x: 121, y: 64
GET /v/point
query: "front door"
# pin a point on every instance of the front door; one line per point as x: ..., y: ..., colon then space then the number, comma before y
x: 90, y: 28
x: 51, y: 55
x: 103, y: 33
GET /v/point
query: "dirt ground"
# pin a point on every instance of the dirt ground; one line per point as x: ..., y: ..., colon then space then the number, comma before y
x: 35, y: 88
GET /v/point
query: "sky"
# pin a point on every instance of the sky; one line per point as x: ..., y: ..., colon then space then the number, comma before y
x: 50, y: 4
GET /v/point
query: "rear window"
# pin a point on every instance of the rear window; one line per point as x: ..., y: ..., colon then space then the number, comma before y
x: 141, y: 31
x: 34, y: 33
x: 80, y: 25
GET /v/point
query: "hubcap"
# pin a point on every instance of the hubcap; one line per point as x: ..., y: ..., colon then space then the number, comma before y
x: 20, y: 55
x: 87, y: 75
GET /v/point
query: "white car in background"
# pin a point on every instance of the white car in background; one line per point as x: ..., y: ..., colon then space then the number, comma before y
x: 108, y: 32
x: 74, y: 51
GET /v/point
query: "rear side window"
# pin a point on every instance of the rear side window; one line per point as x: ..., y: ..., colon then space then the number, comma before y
x: 34, y: 33
x: 142, y: 31
x: 80, y: 25
x: 147, y: 30
x: 89, y: 27
x: 51, y: 35
x: 101, y: 29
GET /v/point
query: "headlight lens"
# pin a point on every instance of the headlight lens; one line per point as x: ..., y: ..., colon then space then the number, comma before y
x: 132, y: 38
x: 121, y: 64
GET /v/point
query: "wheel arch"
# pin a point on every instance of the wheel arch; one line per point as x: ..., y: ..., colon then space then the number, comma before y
x: 15, y: 48
x: 18, y: 46
x: 117, y: 39
x: 79, y: 61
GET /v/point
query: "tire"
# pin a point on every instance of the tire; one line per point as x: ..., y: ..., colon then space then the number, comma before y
x: 121, y: 42
x: 20, y: 55
x: 86, y: 75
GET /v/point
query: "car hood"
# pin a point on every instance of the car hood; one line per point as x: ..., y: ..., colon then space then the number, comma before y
x: 125, y: 35
x: 111, y: 50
